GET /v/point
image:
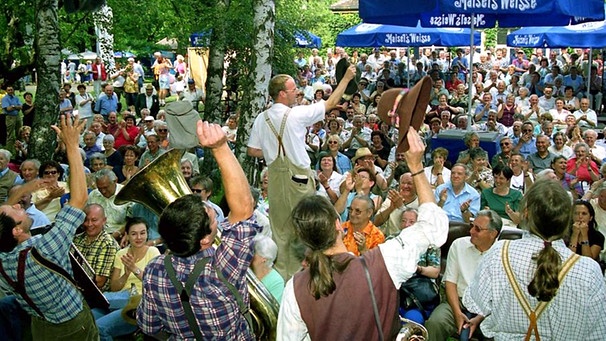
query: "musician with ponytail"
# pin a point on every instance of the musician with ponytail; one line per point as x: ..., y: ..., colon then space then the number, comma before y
x: 536, y: 286
x: 340, y: 295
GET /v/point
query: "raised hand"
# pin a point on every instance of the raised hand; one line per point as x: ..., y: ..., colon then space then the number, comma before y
x: 210, y: 135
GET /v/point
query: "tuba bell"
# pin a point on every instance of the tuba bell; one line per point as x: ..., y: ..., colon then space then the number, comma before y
x: 411, y: 331
x: 159, y: 184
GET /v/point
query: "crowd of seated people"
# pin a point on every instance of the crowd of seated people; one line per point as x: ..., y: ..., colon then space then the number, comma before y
x: 545, y: 121
x: 543, y: 115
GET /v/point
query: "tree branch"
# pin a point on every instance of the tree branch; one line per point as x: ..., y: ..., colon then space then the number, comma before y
x: 76, y: 25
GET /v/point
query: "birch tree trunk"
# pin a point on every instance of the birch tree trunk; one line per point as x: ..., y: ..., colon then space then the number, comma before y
x: 214, y: 91
x: 47, y: 60
x: 255, y: 95
x: 104, y: 22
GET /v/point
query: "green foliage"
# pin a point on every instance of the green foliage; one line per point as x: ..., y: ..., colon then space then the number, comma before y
x: 491, y: 37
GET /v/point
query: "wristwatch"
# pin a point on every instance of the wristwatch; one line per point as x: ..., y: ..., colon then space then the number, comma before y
x: 137, y: 272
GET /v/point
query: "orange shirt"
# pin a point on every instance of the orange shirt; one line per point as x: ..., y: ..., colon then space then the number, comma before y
x: 373, y: 235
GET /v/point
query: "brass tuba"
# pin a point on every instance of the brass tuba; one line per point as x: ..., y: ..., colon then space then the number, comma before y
x: 411, y: 331
x: 159, y: 184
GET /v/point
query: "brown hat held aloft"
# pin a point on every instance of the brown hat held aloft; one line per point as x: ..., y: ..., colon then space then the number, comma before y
x: 352, y: 86
x: 409, y: 109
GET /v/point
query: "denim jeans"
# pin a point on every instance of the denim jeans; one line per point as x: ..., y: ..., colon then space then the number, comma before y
x: 12, y: 319
x: 110, y: 321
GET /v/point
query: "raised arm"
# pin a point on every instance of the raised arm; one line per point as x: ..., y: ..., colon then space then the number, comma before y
x: 336, y: 95
x: 69, y: 132
x: 237, y: 189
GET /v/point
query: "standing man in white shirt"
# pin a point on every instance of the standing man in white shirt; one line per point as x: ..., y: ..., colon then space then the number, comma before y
x: 278, y: 136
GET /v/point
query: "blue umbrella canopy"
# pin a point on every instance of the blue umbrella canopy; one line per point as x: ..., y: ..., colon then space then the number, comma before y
x: 586, y: 35
x: 307, y: 39
x: 459, y: 13
x: 373, y: 35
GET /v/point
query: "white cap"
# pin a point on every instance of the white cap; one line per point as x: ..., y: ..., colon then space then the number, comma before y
x: 149, y: 118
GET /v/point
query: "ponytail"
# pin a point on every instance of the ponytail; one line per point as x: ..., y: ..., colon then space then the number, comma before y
x: 545, y: 282
x: 321, y: 268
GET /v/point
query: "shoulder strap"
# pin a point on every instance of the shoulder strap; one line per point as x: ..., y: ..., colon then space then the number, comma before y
x: 185, y: 292
x: 244, y: 309
x: 19, y: 286
x: 53, y: 267
x: 279, y: 135
x: 533, y: 314
x: 373, y: 299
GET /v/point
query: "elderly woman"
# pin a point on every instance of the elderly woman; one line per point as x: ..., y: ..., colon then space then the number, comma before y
x: 187, y: 169
x: 502, y: 198
x: 262, y: 263
x: 161, y: 128
x: 48, y: 200
x: 581, y: 165
x: 328, y: 177
x: 569, y: 182
x: 428, y: 266
x: 29, y: 169
x: 559, y: 146
x: 584, y: 238
x: 481, y: 175
x: 127, y: 132
x: 472, y: 140
x: 334, y: 144
x: 129, y: 264
x: 438, y: 173
x: 113, y: 157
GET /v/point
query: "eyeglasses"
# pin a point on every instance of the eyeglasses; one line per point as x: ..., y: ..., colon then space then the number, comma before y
x: 527, y: 130
x: 477, y: 228
x: 53, y: 172
x: 299, y: 95
x: 355, y: 210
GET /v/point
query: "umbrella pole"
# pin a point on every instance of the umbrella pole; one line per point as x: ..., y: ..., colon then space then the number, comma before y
x: 589, y: 79
x: 408, y: 67
x: 471, y: 116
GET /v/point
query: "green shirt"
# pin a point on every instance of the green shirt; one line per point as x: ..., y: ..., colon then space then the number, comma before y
x: 497, y: 202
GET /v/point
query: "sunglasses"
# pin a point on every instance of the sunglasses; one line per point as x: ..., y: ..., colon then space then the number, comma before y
x: 505, y: 144
x: 53, y: 172
x: 163, y: 130
x: 197, y: 190
x: 333, y: 142
x: 527, y: 130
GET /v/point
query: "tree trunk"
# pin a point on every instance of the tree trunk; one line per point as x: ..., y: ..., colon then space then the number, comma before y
x: 104, y: 22
x: 214, y: 91
x: 48, y: 58
x: 256, y: 95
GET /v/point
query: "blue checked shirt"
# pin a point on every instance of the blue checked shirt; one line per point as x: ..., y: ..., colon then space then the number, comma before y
x: 216, y: 310
x: 58, y: 300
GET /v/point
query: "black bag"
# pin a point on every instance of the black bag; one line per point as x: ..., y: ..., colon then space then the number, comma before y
x: 419, y: 292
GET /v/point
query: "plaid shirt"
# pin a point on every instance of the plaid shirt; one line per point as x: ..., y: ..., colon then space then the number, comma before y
x: 58, y: 300
x: 100, y: 254
x: 218, y: 314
